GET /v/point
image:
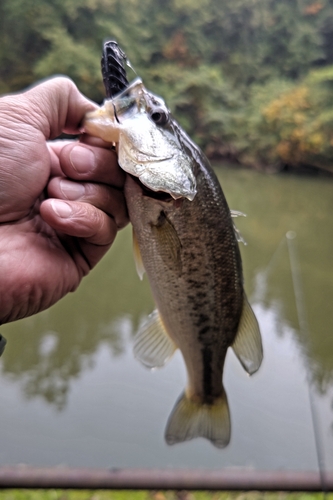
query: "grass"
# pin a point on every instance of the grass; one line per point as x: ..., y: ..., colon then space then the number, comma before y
x: 21, y: 494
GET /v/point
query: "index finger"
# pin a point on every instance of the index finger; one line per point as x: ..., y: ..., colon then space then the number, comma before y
x: 54, y: 106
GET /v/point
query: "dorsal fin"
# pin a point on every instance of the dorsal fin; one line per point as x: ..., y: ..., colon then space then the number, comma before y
x: 239, y: 237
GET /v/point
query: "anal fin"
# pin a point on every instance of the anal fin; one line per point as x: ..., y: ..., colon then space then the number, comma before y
x: 247, y: 345
x: 152, y: 345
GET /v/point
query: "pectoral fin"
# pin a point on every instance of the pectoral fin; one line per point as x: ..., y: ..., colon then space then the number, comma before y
x: 169, y: 242
x: 247, y: 345
x: 137, y: 257
x: 152, y: 345
x: 189, y: 420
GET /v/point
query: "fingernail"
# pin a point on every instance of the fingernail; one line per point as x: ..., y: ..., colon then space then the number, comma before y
x: 82, y: 159
x: 61, y: 208
x: 71, y: 190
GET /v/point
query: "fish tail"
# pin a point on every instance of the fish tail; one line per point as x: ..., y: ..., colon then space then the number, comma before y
x: 189, y: 420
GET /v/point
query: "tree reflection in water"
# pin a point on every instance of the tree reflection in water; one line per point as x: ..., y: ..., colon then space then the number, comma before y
x: 47, y: 352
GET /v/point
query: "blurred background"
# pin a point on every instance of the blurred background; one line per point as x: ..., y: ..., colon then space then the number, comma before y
x: 251, y: 81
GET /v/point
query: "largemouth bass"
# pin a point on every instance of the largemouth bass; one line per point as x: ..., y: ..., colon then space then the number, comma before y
x: 185, y: 240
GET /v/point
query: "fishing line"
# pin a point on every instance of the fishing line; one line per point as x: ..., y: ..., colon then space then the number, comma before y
x: 304, y: 330
x: 290, y: 238
x: 262, y: 277
x: 130, y: 66
x: 272, y: 263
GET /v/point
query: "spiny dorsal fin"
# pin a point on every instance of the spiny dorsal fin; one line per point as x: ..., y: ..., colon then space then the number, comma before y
x: 152, y: 345
x: 137, y: 257
x: 237, y: 213
x: 247, y: 345
x: 189, y: 420
x: 239, y: 237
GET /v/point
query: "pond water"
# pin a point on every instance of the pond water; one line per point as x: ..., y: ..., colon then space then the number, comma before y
x: 71, y: 392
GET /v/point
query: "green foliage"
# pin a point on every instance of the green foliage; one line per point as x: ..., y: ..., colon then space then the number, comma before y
x: 221, y: 66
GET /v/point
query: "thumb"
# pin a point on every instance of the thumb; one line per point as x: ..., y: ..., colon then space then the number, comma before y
x: 55, y: 106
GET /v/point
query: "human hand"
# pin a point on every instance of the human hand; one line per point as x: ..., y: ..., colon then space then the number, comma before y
x: 61, y: 202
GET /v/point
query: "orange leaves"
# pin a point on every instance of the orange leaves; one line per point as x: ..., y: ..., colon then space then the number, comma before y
x: 296, y: 120
x: 313, y: 9
x: 176, y: 48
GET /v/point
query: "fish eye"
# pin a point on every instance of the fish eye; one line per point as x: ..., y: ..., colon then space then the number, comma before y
x: 159, y: 116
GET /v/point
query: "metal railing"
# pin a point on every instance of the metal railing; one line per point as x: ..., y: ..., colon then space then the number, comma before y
x: 192, y: 479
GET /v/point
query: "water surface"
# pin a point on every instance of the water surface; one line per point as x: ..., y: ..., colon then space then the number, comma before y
x: 71, y: 392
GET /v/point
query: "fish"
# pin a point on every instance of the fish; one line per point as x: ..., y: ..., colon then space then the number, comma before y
x: 185, y: 240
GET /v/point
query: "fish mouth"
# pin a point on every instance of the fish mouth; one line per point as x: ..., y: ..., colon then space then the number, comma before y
x: 149, y: 193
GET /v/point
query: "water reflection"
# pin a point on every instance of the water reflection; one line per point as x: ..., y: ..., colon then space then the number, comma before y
x: 45, y: 361
x: 48, y: 352
x: 274, y: 207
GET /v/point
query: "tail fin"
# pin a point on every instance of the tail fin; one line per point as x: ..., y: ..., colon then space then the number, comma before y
x: 189, y: 420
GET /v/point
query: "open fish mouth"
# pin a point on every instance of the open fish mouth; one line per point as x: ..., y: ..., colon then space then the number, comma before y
x: 157, y: 173
x: 146, y: 191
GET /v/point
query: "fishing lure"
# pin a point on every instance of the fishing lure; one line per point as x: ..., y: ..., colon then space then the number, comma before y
x: 113, y: 69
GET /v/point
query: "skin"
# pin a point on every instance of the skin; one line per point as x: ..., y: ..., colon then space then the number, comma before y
x: 61, y: 202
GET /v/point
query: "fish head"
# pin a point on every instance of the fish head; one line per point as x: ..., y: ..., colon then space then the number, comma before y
x: 150, y: 144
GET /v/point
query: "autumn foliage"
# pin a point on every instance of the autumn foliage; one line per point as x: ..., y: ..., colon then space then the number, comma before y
x: 250, y: 80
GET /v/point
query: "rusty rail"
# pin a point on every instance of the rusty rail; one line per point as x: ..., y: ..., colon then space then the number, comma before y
x: 192, y: 479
